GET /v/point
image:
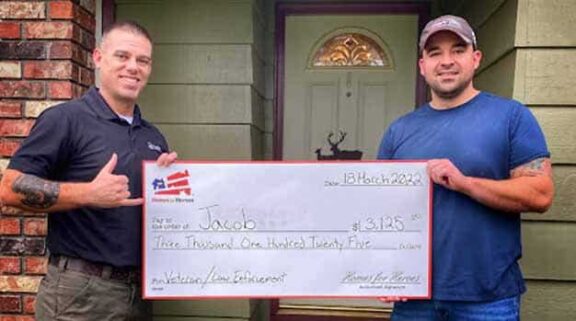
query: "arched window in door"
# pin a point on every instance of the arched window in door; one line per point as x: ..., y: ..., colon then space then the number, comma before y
x: 350, y: 49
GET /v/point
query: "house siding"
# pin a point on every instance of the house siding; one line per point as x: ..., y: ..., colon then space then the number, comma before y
x: 206, y: 88
x: 207, y: 95
x: 529, y: 55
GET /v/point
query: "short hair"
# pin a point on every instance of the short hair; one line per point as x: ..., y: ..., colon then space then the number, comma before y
x: 128, y: 25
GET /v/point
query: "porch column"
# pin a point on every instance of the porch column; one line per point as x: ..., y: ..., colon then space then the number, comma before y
x: 45, y: 58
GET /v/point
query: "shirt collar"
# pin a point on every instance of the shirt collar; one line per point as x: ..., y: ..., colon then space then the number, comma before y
x: 103, y: 110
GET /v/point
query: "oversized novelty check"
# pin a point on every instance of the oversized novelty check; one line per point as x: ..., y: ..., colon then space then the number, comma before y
x: 277, y: 229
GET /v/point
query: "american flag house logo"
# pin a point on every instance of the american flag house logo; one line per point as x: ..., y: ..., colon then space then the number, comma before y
x: 175, y: 184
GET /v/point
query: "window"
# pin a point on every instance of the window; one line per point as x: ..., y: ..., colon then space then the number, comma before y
x: 350, y: 49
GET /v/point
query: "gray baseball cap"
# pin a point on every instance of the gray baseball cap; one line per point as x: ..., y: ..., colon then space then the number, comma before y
x: 451, y: 23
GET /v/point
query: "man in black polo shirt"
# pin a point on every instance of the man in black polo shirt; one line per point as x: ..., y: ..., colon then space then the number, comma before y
x: 82, y: 164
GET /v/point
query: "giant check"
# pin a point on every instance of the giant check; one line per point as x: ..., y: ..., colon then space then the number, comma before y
x: 266, y: 229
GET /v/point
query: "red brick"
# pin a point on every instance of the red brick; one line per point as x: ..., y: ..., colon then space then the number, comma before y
x: 84, y: 19
x: 70, y: 50
x: 10, y: 303
x: 77, y: 34
x: 22, y: 246
x: 75, y: 76
x: 87, y: 39
x: 35, y: 265
x: 16, y: 318
x: 10, y: 265
x: 48, y: 70
x: 9, y: 226
x: 15, y: 127
x: 61, y: 10
x: 86, y: 77
x: 48, y: 30
x: 22, y: 10
x: 89, y: 5
x: 9, y: 30
x: 17, y: 283
x: 33, y: 108
x: 22, y: 89
x: 29, y: 302
x: 82, y: 56
x: 10, y: 69
x: 66, y: 90
x: 19, y: 50
x: 88, y: 59
x: 60, y: 90
x: 8, y: 147
x: 60, y: 50
x: 35, y: 226
x: 10, y: 109
x: 79, y: 91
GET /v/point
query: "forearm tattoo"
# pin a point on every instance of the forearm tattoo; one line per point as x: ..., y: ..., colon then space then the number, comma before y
x: 537, y: 167
x: 37, y: 193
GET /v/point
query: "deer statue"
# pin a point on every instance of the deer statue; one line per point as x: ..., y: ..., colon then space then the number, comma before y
x: 342, y: 154
x: 336, y: 152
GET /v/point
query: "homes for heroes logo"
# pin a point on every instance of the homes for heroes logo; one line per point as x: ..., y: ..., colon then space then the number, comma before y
x: 171, y: 187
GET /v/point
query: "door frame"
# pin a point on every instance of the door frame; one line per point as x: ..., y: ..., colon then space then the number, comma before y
x: 283, y: 10
x: 108, y: 13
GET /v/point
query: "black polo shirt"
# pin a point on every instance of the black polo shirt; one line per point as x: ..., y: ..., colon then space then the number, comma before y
x: 71, y: 142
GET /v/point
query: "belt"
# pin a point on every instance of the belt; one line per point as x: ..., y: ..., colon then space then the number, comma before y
x: 126, y: 275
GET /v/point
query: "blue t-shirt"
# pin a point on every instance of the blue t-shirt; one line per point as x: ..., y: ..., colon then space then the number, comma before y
x: 475, y: 248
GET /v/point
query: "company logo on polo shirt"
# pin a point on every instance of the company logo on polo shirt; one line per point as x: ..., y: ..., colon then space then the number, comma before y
x: 176, y: 186
x: 154, y: 147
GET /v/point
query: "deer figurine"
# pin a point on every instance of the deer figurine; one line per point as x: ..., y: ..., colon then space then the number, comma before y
x: 342, y: 154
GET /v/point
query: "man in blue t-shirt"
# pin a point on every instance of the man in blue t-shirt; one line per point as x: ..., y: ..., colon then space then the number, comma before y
x: 488, y: 159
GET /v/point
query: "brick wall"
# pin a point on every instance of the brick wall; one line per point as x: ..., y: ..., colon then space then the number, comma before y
x: 45, y: 58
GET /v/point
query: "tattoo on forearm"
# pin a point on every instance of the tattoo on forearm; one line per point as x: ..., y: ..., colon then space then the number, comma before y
x: 535, y: 164
x: 36, y: 192
x: 537, y: 167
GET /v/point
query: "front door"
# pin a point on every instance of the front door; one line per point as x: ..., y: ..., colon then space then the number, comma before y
x: 346, y: 78
x: 345, y: 72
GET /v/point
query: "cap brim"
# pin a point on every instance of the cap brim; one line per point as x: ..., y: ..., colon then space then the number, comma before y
x: 433, y: 31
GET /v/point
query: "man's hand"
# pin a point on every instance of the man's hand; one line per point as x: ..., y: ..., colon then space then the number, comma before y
x: 109, y: 190
x: 166, y: 159
x: 444, y: 172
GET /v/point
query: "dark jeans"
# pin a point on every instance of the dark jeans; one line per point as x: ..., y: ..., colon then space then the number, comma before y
x: 67, y: 295
x: 501, y: 310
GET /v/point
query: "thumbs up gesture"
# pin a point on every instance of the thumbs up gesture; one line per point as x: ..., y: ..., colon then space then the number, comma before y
x: 109, y: 190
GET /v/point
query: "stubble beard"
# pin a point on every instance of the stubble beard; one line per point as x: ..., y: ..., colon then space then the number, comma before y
x: 452, y: 93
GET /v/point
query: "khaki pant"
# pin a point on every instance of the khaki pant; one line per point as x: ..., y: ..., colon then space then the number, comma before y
x: 66, y: 295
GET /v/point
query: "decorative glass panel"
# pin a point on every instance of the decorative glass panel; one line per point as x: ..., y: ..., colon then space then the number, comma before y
x: 350, y: 50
